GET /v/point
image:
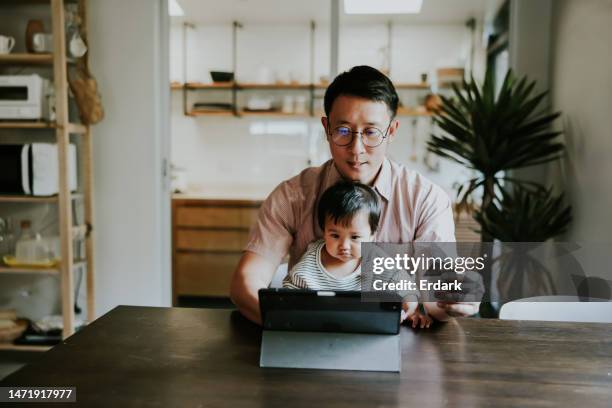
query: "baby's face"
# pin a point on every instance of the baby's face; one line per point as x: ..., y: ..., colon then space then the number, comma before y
x: 343, y: 242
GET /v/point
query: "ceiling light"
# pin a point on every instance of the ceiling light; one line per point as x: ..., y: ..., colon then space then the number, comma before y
x: 382, y: 6
x: 175, y: 9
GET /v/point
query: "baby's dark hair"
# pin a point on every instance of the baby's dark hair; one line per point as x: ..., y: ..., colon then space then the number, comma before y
x: 343, y: 200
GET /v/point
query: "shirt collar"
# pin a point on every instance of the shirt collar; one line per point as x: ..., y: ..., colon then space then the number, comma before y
x: 382, y: 183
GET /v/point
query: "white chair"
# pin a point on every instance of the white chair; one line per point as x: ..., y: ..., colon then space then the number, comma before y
x: 279, y: 275
x: 557, y: 309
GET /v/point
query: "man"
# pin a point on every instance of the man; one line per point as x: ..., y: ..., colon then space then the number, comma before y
x: 360, y: 124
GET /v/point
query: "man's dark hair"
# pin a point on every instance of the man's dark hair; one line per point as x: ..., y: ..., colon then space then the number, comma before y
x: 342, y: 201
x: 364, y: 82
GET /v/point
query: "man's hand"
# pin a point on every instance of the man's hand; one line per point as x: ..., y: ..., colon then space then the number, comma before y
x: 459, y: 309
x: 254, y: 272
x: 411, y: 313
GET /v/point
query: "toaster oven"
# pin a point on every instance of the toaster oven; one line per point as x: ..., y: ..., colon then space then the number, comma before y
x: 24, y: 97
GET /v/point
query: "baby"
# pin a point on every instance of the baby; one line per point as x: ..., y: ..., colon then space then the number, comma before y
x: 348, y: 213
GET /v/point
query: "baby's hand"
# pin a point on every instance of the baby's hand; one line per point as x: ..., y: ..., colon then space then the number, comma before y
x: 411, y: 313
x: 419, y: 319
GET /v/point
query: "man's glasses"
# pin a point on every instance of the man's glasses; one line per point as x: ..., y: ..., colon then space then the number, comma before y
x: 370, y: 136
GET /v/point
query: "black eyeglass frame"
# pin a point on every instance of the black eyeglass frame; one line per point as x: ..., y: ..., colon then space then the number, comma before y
x: 361, y: 133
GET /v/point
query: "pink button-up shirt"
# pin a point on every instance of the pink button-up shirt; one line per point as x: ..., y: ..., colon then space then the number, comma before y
x: 413, y: 209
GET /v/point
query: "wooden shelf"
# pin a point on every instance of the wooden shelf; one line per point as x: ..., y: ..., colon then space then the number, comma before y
x: 244, y: 86
x: 27, y: 199
x: 30, y: 59
x: 273, y: 86
x: 35, y: 270
x: 20, y: 347
x: 271, y: 113
x: 247, y: 113
x: 422, y: 85
x: 215, y: 85
x: 210, y: 113
x: 72, y: 127
x: 35, y: 199
x: 57, y: 62
x: 28, y: 270
x: 413, y: 112
x: 26, y: 125
x: 317, y: 113
x: 27, y: 59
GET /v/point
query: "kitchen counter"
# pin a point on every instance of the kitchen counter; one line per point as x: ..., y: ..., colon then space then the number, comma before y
x: 209, y: 233
x: 233, y: 192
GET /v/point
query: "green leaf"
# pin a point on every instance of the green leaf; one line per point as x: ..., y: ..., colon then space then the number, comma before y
x: 495, y: 134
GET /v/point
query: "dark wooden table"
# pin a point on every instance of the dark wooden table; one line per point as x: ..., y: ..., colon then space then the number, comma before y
x: 165, y: 357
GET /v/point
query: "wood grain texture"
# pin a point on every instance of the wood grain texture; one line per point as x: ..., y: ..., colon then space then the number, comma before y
x: 26, y: 59
x: 208, y: 237
x: 211, y: 240
x: 137, y: 356
x: 205, y: 274
x: 219, y: 217
x: 60, y: 80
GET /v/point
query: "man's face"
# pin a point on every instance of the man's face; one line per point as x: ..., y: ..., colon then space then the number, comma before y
x: 356, y: 161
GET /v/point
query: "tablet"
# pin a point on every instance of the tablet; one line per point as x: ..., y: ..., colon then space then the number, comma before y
x: 327, y: 311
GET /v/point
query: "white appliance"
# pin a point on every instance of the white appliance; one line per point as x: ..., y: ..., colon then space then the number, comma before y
x: 24, y: 97
x: 32, y: 169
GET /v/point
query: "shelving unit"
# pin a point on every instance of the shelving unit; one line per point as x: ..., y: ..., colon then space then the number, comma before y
x: 238, y: 87
x: 19, y: 347
x: 75, y: 128
x: 272, y: 113
x: 422, y: 85
x: 62, y: 129
x: 199, y: 85
x: 37, y: 270
x: 30, y: 59
x: 195, y: 113
x: 413, y: 112
x: 34, y: 199
x: 26, y: 59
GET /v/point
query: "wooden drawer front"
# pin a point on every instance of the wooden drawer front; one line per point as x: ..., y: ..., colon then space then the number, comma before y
x: 211, y: 240
x: 202, y: 274
x: 216, y: 217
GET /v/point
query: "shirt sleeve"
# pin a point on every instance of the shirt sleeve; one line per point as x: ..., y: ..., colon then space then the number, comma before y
x: 436, y: 222
x: 274, y: 230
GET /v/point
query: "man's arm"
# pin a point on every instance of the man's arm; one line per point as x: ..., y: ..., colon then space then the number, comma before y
x: 438, y: 225
x: 254, y: 272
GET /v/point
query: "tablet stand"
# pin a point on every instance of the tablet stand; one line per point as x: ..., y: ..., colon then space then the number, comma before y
x: 331, y: 351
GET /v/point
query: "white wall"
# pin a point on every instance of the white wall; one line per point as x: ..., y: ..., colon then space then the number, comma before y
x: 131, y: 205
x: 530, y: 39
x: 581, y: 87
x: 564, y: 45
x: 204, y: 145
x: 529, y: 55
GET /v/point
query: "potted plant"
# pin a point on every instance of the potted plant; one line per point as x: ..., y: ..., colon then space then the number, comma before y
x: 495, y: 135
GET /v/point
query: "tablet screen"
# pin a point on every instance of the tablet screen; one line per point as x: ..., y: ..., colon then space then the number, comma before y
x: 325, y: 311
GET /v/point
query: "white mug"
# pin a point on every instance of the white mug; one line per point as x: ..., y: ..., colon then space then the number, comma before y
x: 6, y: 44
x: 77, y: 46
x: 42, y: 42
